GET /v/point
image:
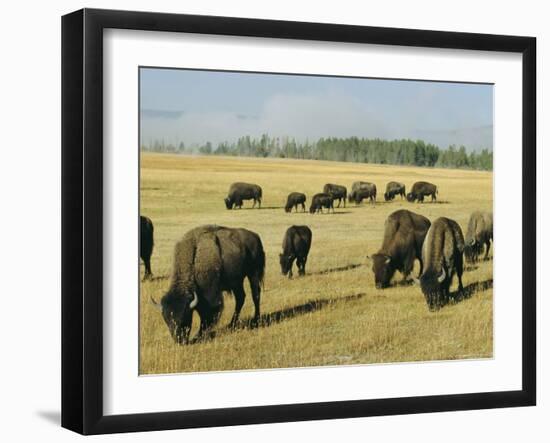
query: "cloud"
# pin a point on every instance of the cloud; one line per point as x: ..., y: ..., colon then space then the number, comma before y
x: 305, y: 116
x: 299, y: 116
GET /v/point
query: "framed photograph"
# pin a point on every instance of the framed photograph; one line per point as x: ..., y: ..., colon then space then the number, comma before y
x: 268, y: 221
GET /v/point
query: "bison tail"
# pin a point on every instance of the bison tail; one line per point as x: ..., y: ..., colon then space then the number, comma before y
x: 261, y: 267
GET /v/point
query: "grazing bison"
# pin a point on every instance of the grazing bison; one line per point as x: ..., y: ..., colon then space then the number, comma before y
x: 320, y: 201
x: 243, y: 191
x: 293, y: 200
x: 361, y: 191
x: 337, y: 192
x: 420, y: 190
x: 208, y: 260
x: 146, y: 243
x: 480, y: 233
x: 404, y: 233
x: 296, y: 245
x: 393, y: 189
x: 442, y: 257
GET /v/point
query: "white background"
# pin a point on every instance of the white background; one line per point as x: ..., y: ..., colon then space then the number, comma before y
x: 30, y: 219
x: 126, y: 393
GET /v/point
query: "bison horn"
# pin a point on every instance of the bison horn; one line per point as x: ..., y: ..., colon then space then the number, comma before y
x: 155, y: 304
x: 416, y: 281
x: 472, y: 242
x: 388, y: 259
x: 441, y: 276
x: 194, y: 302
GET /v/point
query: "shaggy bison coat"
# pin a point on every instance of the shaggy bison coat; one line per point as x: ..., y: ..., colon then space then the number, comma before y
x: 442, y: 254
x: 393, y: 189
x: 404, y: 233
x: 361, y: 191
x: 337, y: 192
x: 293, y: 200
x: 479, y: 234
x: 296, y: 245
x: 146, y: 243
x: 320, y: 201
x: 208, y: 260
x: 243, y: 191
x: 421, y: 190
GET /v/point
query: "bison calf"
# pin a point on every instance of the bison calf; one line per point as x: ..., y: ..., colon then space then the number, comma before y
x: 146, y: 243
x: 293, y: 200
x: 479, y: 234
x: 404, y: 233
x: 442, y: 256
x: 320, y: 201
x: 296, y: 245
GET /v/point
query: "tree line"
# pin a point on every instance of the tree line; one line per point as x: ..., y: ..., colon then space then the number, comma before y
x: 348, y: 149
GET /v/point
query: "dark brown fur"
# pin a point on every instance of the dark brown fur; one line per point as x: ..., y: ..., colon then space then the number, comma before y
x: 337, y: 192
x: 421, y: 190
x: 293, y: 200
x: 208, y: 260
x: 146, y: 244
x: 404, y: 233
x: 296, y: 245
x: 442, y: 254
x: 243, y: 191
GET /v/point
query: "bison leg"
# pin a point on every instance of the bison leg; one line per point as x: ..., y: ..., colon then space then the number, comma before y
x: 148, y: 274
x: 301, y: 263
x: 303, y: 207
x: 208, y: 319
x: 256, y: 291
x: 239, y: 294
x: 487, y: 247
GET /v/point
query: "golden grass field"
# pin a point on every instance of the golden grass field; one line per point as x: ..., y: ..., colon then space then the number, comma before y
x: 333, y: 315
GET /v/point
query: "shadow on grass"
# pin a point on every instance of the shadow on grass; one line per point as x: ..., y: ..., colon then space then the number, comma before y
x: 338, y: 269
x: 275, y: 317
x: 155, y: 278
x: 468, y: 291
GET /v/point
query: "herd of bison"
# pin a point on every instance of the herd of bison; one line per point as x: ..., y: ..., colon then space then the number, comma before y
x: 211, y: 259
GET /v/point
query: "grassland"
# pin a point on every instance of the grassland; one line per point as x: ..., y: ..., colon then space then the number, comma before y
x: 333, y: 315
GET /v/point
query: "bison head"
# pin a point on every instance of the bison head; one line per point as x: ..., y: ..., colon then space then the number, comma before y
x: 228, y: 203
x: 286, y: 262
x: 411, y: 197
x: 177, y: 312
x: 435, y: 287
x: 472, y: 249
x: 288, y: 208
x: 383, y: 269
x: 387, y: 196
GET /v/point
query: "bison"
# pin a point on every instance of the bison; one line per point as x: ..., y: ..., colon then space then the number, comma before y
x: 404, y: 233
x: 337, y: 192
x: 442, y: 254
x: 320, y: 201
x: 208, y: 260
x: 393, y: 189
x: 293, y: 200
x: 420, y: 190
x: 361, y: 191
x: 480, y: 233
x: 146, y: 243
x: 243, y: 191
x: 296, y: 245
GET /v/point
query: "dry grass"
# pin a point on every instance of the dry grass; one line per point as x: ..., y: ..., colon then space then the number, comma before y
x: 333, y: 315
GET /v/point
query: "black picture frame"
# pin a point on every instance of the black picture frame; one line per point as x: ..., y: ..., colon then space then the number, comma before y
x: 82, y: 218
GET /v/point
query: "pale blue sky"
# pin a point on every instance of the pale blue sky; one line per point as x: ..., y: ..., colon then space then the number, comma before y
x: 199, y: 106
